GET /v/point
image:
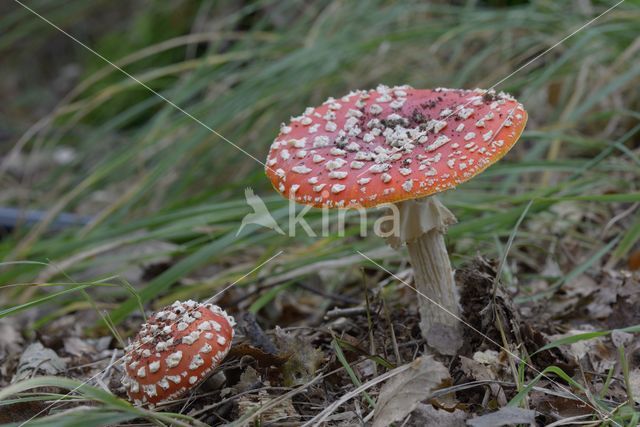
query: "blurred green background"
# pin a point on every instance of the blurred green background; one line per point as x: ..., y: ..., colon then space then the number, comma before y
x: 166, y: 195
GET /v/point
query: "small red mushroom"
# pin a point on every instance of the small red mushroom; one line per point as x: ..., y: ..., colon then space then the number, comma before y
x: 400, y: 145
x: 178, y: 347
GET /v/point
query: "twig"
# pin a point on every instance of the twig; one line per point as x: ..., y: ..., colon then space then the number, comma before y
x: 345, y: 312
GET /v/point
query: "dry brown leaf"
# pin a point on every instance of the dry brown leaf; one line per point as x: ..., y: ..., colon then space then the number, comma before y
x: 558, y: 407
x: 400, y: 395
x: 634, y: 261
x: 263, y: 358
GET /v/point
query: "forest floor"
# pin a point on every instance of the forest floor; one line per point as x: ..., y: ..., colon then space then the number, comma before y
x: 546, y: 250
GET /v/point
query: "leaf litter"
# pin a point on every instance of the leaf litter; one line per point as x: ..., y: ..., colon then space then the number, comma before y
x: 278, y: 367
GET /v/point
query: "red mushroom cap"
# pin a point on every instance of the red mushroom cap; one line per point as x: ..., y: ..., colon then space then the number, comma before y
x: 391, y: 144
x: 175, y: 350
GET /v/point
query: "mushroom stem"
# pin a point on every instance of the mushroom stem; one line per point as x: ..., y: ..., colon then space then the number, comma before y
x: 423, y: 223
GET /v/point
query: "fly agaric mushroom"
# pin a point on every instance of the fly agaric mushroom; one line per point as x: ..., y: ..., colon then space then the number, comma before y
x: 400, y: 145
x: 175, y: 350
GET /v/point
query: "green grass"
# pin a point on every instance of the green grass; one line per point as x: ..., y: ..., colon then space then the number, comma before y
x: 149, y: 173
x: 625, y: 414
x: 112, y: 409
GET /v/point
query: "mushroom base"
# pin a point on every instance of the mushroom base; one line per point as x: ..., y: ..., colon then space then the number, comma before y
x: 422, y: 226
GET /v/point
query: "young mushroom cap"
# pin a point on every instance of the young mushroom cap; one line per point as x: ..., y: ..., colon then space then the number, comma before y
x: 175, y: 350
x: 391, y: 144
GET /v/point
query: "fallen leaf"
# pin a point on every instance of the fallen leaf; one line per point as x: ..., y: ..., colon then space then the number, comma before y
x: 617, y: 293
x: 503, y: 417
x: 596, y: 351
x: 264, y: 359
x: 558, y: 407
x: 487, y: 357
x: 476, y: 370
x: 283, y: 412
x: 249, y: 380
x: 621, y: 338
x: 577, y: 349
x: 634, y: 383
x: 37, y: 359
x: 78, y: 347
x: 483, y: 367
x: 254, y: 332
x: 303, y: 358
x: 427, y: 415
x: 400, y: 395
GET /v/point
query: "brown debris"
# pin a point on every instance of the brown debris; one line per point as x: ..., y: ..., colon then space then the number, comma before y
x: 484, y: 306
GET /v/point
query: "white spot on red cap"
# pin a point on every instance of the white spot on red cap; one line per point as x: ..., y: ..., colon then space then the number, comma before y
x: 337, y: 188
x: 301, y: 169
x: 335, y: 164
x: 338, y: 174
x: 176, y: 379
x: 150, y: 390
x: 439, y: 142
x: 196, y: 362
x: 173, y: 359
